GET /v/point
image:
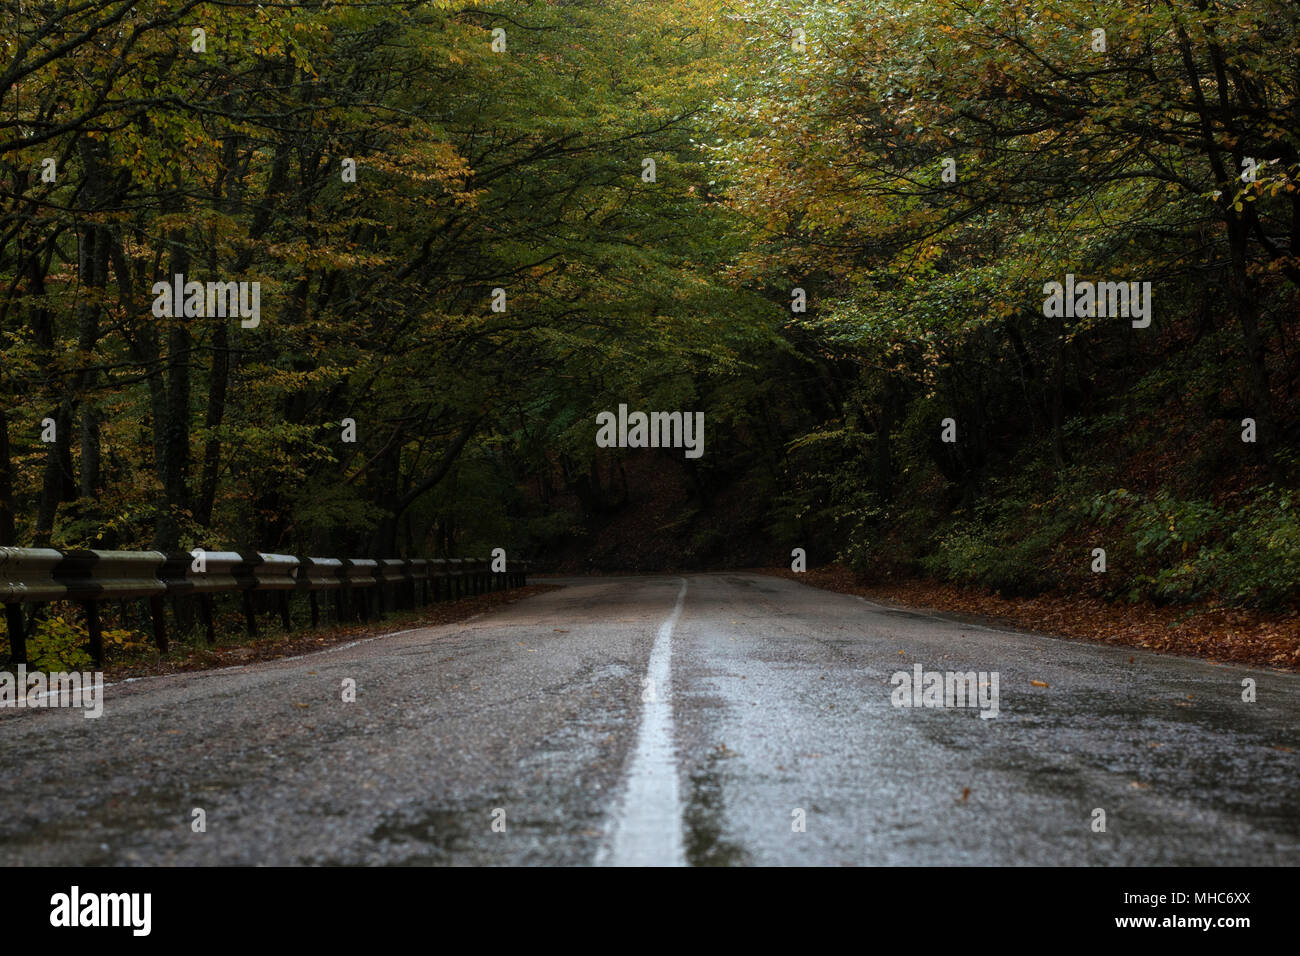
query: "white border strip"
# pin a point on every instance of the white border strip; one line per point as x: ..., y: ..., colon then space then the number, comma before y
x: 648, y: 828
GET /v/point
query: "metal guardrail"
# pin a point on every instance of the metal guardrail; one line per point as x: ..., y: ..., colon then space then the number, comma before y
x: 362, y: 587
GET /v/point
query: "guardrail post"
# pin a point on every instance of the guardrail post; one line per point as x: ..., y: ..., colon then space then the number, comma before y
x: 159, y: 622
x: 438, y: 578
x: 245, y: 573
x: 17, y: 633
x: 391, y: 574
x: 319, y: 574
x: 419, y: 581
x: 26, y: 576
x: 358, y: 604
x: 205, y: 612
x: 377, y: 592
x: 96, y: 634
x: 457, y: 566
x: 359, y: 576
x: 200, y: 574
x: 250, y: 617
x: 265, y: 572
x: 174, y: 575
x: 411, y: 569
x: 94, y: 576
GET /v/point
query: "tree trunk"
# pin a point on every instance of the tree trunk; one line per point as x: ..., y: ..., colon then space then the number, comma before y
x: 7, y: 532
x: 174, y: 437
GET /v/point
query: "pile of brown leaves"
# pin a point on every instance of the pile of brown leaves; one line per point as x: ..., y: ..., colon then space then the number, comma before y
x: 1221, y: 634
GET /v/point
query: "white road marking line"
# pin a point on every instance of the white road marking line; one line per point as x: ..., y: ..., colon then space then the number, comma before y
x: 648, y: 828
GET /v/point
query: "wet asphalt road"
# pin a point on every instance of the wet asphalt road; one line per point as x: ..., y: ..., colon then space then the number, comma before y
x: 667, y: 720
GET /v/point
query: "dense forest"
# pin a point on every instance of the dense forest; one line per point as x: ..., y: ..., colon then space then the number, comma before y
x: 461, y: 231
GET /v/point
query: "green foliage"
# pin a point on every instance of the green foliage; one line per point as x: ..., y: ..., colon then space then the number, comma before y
x: 1015, y: 541
x: 1067, y: 160
x: 58, y: 643
x: 990, y: 556
x: 1196, y: 550
x: 776, y: 168
x: 474, y: 170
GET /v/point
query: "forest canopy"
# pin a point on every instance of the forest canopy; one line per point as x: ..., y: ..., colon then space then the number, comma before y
x: 473, y: 227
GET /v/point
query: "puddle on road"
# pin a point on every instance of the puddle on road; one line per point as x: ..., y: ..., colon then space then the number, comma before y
x: 702, y: 822
x: 461, y: 835
x: 112, y: 831
x: 440, y: 835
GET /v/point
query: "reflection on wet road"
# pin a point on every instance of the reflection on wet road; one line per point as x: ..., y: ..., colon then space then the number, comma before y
x: 713, y: 719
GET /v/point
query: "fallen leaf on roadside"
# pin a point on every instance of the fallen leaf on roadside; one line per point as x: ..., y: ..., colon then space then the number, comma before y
x: 1213, y: 632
